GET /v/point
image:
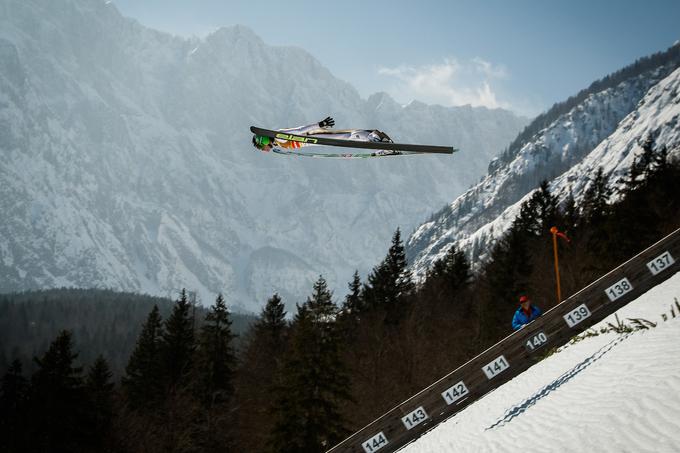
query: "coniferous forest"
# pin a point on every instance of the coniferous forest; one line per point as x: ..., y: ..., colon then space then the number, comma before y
x: 302, y: 381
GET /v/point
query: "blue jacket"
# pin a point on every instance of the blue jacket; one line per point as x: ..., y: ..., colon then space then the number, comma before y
x: 521, y: 318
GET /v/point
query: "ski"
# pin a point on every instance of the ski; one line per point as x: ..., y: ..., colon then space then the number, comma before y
x: 286, y: 152
x: 318, y: 140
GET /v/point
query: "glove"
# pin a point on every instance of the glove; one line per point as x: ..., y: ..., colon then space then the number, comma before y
x: 328, y: 122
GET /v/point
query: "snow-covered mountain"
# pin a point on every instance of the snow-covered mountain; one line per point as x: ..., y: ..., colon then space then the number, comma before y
x: 127, y: 164
x: 605, y: 130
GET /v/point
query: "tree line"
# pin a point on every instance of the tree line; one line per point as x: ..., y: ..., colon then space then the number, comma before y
x: 303, y: 382
x: 100, y: 321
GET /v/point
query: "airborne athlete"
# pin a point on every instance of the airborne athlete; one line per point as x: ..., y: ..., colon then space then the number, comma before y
x: 322, y: 128
x: 289, y: 141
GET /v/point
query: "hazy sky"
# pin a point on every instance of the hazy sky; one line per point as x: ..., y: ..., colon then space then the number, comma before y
x: 522, y: 55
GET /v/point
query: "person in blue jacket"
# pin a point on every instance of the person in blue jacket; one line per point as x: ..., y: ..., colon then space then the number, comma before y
x: 526, y: 313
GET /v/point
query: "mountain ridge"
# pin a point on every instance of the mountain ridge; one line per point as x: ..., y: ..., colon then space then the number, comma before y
x: 476, y: 219
x: 129, y: 165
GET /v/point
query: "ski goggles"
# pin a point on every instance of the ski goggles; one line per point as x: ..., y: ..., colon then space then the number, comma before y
x: 262, y: 141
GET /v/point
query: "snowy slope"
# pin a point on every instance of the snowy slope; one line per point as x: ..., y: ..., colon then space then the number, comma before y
x: 127, y: 163
x: 605, y: 130
x: 609, y: 393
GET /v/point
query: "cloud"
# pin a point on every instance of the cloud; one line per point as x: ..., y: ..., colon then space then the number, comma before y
x: 449, y: 83
x: 489, y: 69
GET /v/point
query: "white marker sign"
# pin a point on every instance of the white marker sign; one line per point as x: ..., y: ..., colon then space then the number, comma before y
x: 577, y: 315
x: 375, y: 443
x: 536, y: 341
x: 414, y: 418
x: 455, y: 393
x: 618, y: 289
x: 660, y: 263
x: 494, y: 368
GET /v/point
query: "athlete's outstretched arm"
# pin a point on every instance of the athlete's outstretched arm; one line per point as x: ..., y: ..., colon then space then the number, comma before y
x: 316, y: 127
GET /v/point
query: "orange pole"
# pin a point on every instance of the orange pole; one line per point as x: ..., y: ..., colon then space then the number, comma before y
x: 553, y: 230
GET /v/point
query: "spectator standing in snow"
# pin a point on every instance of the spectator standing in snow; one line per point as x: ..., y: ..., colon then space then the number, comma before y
x: 526, y: 313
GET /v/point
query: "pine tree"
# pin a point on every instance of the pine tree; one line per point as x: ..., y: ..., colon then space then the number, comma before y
x: 453, y: 268
x: 217, y: 360
x: 354, y: 302
x: 14, y: 391
x: 320, y: 304
x: 398, y: 265
x: 261, y: 361
x: 507, y: 275
x: 178, y: 342
x: 272, y: 320
x: 635, y: 211
x: 595, y: 204
x: 143, y: 380
x: 539, y: 213
x: 379, y: 289
x: 352, y: 308
x: 314, y: 380
x: 648, y: 157
x: 642, y: 165
x: 58, y: 401
x: 390, y: 280
x: 100, y: 393
x: 661, y: 164
x: 270, y: 334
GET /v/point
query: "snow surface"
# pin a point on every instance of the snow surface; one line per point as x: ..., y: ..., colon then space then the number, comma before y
x: 608, y: 393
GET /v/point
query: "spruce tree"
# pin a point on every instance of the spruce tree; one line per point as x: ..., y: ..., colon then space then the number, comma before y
x: 354, y: 302
x: 270, y: 335
x: 143, y: 380
x: 217, y: 360
x: 320, y: 304
x: 635, y: 211
x: 256, y: 379
x: 595, y: 204
x: 398, y: 265
x: 507, y: 274
x: 379, y: 288
x: 272, y: 320
x: 178, y: 343
x: 648, y: 158
x: 390, y: 280
x: 538, y: 214
x: 642, y: 165
x: 58, y: 400
x: 100, y: 394
x: 453, y: 269
x: 314, y: 380
x: 352, y: 308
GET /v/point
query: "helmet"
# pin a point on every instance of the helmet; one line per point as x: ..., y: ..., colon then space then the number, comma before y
x: 260, y: 141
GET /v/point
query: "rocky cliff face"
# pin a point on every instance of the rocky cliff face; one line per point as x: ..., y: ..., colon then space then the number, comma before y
x: 127, y: 164
x: 606, y: 130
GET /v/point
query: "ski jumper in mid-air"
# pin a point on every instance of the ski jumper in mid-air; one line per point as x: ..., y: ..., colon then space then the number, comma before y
x: 372, y: 142
x: 322, y: 129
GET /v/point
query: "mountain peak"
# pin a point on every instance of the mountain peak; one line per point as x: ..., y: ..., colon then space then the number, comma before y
x: 381, y: 100
x: 235, y: 33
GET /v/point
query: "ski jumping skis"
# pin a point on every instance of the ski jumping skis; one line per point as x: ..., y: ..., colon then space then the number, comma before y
x: 318, y: 139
